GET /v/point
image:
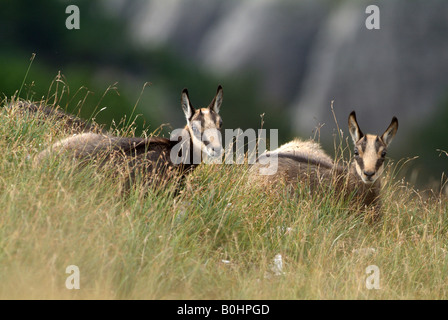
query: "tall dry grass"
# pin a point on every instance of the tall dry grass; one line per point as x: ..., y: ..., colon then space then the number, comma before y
x: 217, y: 239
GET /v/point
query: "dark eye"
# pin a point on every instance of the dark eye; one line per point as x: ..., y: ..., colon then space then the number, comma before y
x: 356, y: 152
x: 383, y: 154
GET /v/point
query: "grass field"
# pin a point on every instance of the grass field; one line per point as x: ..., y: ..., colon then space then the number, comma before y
x: 217, y: 239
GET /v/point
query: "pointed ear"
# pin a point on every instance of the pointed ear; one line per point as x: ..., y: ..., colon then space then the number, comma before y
x: 215, y: 105
x: 390, y: 132
x: 186, y: 106
x: 353, y: 127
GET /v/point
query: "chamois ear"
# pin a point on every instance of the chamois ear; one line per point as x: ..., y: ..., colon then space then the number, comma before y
x: 353, y: 127
x: 390, y: 132
x: 186, y: 105
x: 215, y: 105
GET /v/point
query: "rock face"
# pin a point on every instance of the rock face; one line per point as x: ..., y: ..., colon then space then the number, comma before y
x: 270, y: 38
x: 401, y: 69
x: 308, y: 53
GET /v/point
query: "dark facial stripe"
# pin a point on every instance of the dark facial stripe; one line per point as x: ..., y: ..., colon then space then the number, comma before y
x: 212, y: 117
x: 200, y: 118
x: 379, y: 163
x: 360, y: 163
x: 364, y: 144
x: 378, y: 144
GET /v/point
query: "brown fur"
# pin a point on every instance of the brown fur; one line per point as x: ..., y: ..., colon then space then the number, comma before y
x: 304, y: 162
x: 128, y: 157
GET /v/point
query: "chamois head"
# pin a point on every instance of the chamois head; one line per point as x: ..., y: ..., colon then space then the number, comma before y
x: 370, y: 150
x: 204, y: 124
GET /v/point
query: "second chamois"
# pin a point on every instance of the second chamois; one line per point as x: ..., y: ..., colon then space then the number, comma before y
x: 304, y: 162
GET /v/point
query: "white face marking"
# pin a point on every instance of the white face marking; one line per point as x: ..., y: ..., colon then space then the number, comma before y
x: 206, y: 138
x: 370, y: 149
x: 204, y: 125
x: 369, y: 158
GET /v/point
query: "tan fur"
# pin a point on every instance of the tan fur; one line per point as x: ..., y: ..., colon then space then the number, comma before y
x: 304, y: 163
x: 202, y: 125
x: 308, y: 148
x: 289, y: 170
x: 80, y: 145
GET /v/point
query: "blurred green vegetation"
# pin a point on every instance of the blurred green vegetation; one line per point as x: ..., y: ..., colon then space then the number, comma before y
x: 103, y: 69
x: 429, y: 142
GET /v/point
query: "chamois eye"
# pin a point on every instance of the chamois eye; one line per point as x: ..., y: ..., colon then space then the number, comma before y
x: 383, y: 154
x: 356, y: 152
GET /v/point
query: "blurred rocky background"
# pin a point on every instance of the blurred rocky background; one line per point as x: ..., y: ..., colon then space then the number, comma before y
x: 286, y: 59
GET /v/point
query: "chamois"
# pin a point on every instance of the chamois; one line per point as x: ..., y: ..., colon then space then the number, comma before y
x: 152, y: 157
x: 304, y: 162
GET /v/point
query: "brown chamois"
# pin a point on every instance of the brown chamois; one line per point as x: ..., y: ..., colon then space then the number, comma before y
x: 70, y: 123
x: 156, y: 159
x: 300, y: 162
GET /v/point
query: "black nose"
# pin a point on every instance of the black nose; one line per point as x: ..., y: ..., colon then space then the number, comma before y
x: 217, y: 150
x: 369, y: 173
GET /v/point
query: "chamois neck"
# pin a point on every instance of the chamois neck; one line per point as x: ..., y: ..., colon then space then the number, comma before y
x: 367, y: 193
x: 194, y: 153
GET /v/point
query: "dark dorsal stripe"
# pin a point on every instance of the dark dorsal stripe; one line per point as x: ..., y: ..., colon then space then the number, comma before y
x: 299, y: 158
x: 136, y: 143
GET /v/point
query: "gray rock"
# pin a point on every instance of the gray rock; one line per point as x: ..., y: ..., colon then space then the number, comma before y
x: 401, y: 69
